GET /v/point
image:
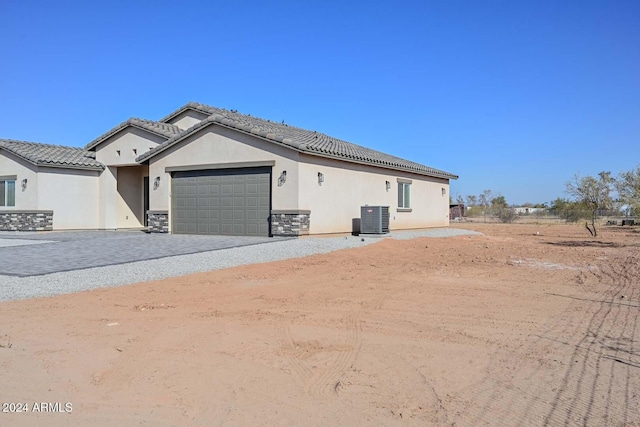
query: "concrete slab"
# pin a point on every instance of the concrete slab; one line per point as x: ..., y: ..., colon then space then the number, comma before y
x: 66, y: 251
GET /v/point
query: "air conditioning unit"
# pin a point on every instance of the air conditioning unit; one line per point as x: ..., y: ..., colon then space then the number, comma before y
x: 374, y: 219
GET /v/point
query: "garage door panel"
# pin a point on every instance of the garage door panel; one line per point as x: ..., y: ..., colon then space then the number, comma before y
x: 228, y: 202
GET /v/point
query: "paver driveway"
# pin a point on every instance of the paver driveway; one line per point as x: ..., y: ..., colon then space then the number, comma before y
x: 25, y: 254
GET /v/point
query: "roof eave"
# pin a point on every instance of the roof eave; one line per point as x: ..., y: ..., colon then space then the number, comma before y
x: 62, y: 166
x: 146, y: 156
x: 117, y: 130
x: 188, y: 106
x: 26, y: 159
x: 379, y: 165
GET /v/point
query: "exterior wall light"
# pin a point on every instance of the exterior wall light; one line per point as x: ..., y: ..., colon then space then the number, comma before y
x: 320, y: 178
x: 387, y: 185
x: 156, y: 183
x: 24, y: 184
x: 444, y: 191
x: 282, y: 178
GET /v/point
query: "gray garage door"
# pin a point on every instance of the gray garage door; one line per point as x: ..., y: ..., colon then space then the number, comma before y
x: 233, y: 202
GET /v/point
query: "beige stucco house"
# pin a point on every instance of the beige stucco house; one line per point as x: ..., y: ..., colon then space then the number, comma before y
x: 204, y: 170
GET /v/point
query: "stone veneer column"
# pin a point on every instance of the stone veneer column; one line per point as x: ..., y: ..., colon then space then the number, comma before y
x: 158, y: 221
x: 287, y: 223
x: 26, y: 220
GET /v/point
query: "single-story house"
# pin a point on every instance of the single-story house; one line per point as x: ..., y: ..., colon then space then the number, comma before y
x: 205, y: 170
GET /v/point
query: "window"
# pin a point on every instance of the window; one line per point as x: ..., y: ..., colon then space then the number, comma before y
x: 7, y: 192
x: 404, y: 195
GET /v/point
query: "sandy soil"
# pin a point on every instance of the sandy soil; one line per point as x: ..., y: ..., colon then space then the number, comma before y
x: 525, y: 325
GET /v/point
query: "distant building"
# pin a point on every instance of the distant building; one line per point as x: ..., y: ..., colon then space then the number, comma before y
x: 525, y: 210
x: 456, y: 211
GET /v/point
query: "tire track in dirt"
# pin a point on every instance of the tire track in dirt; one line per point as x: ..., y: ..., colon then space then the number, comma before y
x: 576, y: 400
x: 329, y: 382
x: 493, y: 393
x: 504, y: 400
x: 326, y: 383
x: 299, y: 369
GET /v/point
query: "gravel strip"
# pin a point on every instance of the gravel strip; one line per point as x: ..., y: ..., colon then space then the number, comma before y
x: 16, y: 288
x: 21, y: 242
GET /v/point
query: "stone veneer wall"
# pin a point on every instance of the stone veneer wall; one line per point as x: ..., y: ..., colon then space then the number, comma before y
x: 288, y: 223
x: 26, y: 220
x: 158, y: 221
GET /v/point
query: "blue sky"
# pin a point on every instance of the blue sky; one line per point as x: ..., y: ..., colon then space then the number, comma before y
x: 515, y: 97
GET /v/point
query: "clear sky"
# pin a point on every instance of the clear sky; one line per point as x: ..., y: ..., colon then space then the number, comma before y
x: 513, y: 96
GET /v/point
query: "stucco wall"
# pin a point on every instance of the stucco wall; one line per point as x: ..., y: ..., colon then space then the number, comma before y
x: 72, y: 195
x: 349, y: 186
x: 187, y: 119
x: 130, y: 202
x: 219, y: 145
x: 26, y: 199
x: 107, y: 199
x: 125, y: 142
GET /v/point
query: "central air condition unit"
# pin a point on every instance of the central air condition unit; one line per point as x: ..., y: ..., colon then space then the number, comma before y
x: 374, y: 219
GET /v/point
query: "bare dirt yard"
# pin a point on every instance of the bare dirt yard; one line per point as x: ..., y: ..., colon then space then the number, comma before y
x: 526, y: 325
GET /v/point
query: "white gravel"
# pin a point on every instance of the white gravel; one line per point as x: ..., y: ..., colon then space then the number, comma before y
x: 15, y: 288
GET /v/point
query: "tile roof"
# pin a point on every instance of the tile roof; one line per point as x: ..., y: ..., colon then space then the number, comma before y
x: 164, y: 130
x: 306, y: 141
x: 52, y: 155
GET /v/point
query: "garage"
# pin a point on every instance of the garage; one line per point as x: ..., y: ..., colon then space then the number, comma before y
x: 232, y: 202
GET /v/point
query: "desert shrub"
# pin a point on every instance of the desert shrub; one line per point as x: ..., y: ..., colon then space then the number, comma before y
x: 506, y: 215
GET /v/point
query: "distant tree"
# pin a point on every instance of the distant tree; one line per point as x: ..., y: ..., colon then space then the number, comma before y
x: 472, y: 200
x: 499, y: 202
x: 628, y: 186
x: 460, y: 200
x: 594, y: 193
x: 569, y: 210
x: 559, y: 205
x: 484, y: 200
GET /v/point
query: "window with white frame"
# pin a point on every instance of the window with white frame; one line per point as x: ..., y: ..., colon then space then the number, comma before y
x: 404, y: 194
x: 7, y: 192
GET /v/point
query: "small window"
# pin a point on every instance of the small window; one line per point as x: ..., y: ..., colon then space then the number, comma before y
x: 8, y: 193
x: 404, y: 195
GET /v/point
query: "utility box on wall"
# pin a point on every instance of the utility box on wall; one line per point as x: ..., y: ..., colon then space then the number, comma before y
x: 374, y: 219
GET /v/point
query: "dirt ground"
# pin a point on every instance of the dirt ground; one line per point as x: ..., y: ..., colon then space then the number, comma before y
x: 525, y: 325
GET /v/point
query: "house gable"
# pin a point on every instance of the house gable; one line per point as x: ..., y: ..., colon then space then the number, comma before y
x: 187, y: 118
x: 122, y: 148
x: 217, y: 145
x: 162, y: 130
